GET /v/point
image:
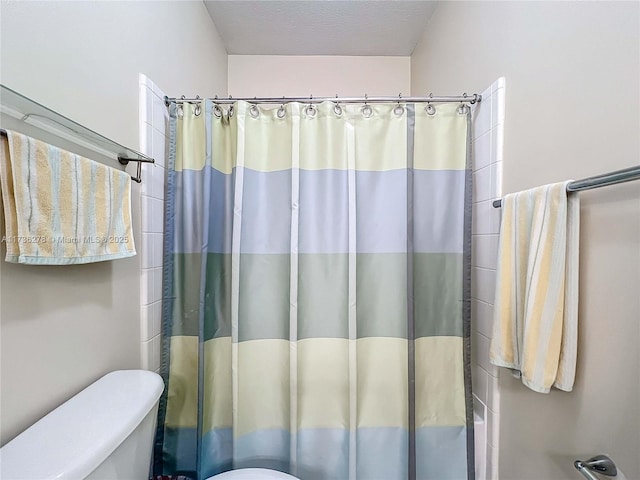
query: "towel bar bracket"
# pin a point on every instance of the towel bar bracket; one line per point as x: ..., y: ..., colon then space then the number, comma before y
x: 600, y: 464
x: 125, y: 161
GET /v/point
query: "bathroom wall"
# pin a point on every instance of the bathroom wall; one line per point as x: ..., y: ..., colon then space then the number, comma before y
x: 573, y: 74
x: 320, y: 76
x: 63, y: 327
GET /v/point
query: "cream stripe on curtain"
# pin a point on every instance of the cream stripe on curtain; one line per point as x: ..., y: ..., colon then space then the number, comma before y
x: 316, y: 300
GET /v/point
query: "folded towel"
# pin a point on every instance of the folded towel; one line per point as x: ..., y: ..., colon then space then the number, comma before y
x: 61, y: 208
x: 535, y: 326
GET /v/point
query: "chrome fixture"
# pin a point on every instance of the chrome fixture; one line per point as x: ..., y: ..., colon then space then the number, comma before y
x: 600, y: 464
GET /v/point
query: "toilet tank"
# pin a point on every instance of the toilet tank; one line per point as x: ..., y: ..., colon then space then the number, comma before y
x: 104, y: 432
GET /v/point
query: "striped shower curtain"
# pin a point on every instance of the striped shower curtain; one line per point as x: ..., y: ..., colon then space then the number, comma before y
x: 316, y: 292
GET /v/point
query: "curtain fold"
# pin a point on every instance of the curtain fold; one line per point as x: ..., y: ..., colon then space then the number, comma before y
x: 316, y: 305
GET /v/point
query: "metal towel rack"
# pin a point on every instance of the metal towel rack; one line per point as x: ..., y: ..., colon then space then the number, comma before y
x: 612, y: 178
x: 27, y: 111
x: 600, y: 464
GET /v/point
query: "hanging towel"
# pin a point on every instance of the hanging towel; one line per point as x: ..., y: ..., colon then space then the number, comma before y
x: 535, y: 328
x: 61, y: 208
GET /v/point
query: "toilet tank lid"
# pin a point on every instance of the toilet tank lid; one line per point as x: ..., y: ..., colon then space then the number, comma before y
x: 75, y: 438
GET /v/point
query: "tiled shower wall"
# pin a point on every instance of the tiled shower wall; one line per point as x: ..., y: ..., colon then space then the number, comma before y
x: 488, y: 134
x: 153, y: 142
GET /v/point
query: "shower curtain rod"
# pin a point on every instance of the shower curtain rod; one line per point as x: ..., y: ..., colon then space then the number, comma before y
x: 464, y: 98
x: 612, y: 178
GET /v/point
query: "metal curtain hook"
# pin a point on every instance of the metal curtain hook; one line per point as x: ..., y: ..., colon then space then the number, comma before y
x: 399, y: 109
x: 367, y: 111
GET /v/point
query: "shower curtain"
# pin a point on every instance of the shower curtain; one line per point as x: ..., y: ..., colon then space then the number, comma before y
x: 316, y: 292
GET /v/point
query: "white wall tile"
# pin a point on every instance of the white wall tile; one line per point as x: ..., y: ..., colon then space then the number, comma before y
x: 484, y: 251
x: 479, y: 408
x: 146, y: 286
x: 146, y: 355
x: 482, y: 151
x: 492, y: 463
x: 157, y: 182
x: 157, y: 318
x: 154, y: 360
x: 493, y: 395
x: 482, y: 120
x: 486, y: 218
x: 145, y: 212
x: 497, y: 107
x: 146, y: 251
x: 156, y: 294
x: 155, y: 89
x: 496, y: 181
x: 157, y: 239
x: 156, y: 224
x: 480, y: 381
x: 144, y: 108
x: 148, y: 134
x: 482, y: 184
x: 146, y: 322
x: 493, y: 430
x: 146, y: 186
x: 483, y: 284
x: 482, y: 317
x: 480, y: 441
x: 159, y: 147
x: 160, y: 114
x: 480, y: 349
x: 497, y: 143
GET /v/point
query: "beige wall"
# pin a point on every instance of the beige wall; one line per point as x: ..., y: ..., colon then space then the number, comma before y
x: 63, y: 327
x: 320, y: 76
x: 572, y: 110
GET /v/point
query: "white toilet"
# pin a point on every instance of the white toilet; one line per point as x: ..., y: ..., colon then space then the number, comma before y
x: 252, y: 474
x: 104, y: 432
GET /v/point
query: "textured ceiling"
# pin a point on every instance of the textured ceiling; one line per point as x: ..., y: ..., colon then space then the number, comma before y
x: 320, y: 27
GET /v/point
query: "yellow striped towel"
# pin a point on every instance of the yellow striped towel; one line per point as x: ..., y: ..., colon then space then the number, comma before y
x: 61, y: 208
x: 535, y: 329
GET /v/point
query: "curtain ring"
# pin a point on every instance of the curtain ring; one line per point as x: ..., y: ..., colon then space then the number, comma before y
x: 431, y: 110
x: 311, y: 110
x: 180, y: 111
x: 463, y: 109
x: 231, y: 111
x: 367, y: 111
x: 399, y: 109
x: 282, y: 111
x: 337, y: 109
x: 217, y: 111
x: 254, y: 111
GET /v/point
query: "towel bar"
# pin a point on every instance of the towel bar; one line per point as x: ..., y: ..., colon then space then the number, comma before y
x: 612, y: 178
x: 22, y: 108
x: 123, y: 161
